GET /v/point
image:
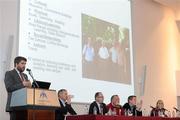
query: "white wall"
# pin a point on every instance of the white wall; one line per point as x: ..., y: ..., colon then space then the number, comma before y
x: 8, y: 43
x: 156, y: 44
x: 1, y: 84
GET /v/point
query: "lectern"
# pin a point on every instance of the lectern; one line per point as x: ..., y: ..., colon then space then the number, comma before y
x: 34, y: 104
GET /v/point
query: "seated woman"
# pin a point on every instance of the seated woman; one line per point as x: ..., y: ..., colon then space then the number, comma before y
x: 159, y: 110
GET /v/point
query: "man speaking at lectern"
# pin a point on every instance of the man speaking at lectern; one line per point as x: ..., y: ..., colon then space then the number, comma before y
x: 14, y: 80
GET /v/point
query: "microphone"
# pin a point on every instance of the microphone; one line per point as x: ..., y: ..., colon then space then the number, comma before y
x: 28, y: 69
x: 35, y: 84
x: 156, y: 108
x: 165, y: 109
x: 177, y: 110
x: 152, y: 107
x: 101, y: 108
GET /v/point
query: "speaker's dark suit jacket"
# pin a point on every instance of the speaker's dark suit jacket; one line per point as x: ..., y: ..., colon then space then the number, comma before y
x: 94, y: 104
x: 12, y: 83
x: 63, y: 110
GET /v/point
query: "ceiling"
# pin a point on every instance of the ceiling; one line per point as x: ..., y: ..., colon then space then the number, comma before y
x: 174, y: 4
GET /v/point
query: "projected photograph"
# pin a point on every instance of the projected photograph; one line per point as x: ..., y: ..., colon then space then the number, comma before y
x: 105, y: 51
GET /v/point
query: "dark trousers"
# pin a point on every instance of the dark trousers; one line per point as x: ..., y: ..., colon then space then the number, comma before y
x: 12, y: 115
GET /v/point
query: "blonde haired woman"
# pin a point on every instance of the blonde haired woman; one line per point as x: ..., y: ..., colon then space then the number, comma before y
x: 159, y: 110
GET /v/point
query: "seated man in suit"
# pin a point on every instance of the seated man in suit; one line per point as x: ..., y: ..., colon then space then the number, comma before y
x: 114, y: 107
x: 14, y: 80
x: 98, y: 107
x: 131, y: 108
x: 159, y: 110
x: 65, y: 103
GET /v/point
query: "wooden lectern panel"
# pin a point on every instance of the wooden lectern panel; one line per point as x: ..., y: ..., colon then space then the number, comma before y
x: 41, y: 114
x: 46, y: 98
x: 35, y: 115
x: 30, y: 96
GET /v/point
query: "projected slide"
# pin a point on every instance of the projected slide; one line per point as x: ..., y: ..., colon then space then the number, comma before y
x: 105, y: 51
x: 84, y: 46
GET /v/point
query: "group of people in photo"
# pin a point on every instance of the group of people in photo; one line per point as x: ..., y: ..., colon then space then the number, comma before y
x: 110, y: 61
x: 105, y: 51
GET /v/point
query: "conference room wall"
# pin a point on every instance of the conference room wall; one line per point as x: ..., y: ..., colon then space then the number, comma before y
x: 156, y: 45
x: 8, y: 45
x: 155, y: 41
x: 1, y: 85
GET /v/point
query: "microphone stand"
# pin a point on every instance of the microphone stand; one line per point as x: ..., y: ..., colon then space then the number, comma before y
x: 34, y: 86
x: 177, y: 110
x: 34, y: 80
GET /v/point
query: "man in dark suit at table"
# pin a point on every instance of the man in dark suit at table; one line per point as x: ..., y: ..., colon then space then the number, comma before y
x: 131, y: 108
x: 98, y: 107
x: 65, y: 103
x: 14, y: 80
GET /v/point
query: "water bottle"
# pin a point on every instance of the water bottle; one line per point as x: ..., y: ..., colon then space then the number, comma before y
x: 125, y: 112
x: 135, y: 113
x: 169, y: 114
x: 154, y: 113
x: 145, y: 112
x: 173, y: 114
x: 159, y: 113
x: 110, y: 112
x: 114, y: 111
x: 101, y: 109
x: 86, y: 109
x: 94, y: 110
